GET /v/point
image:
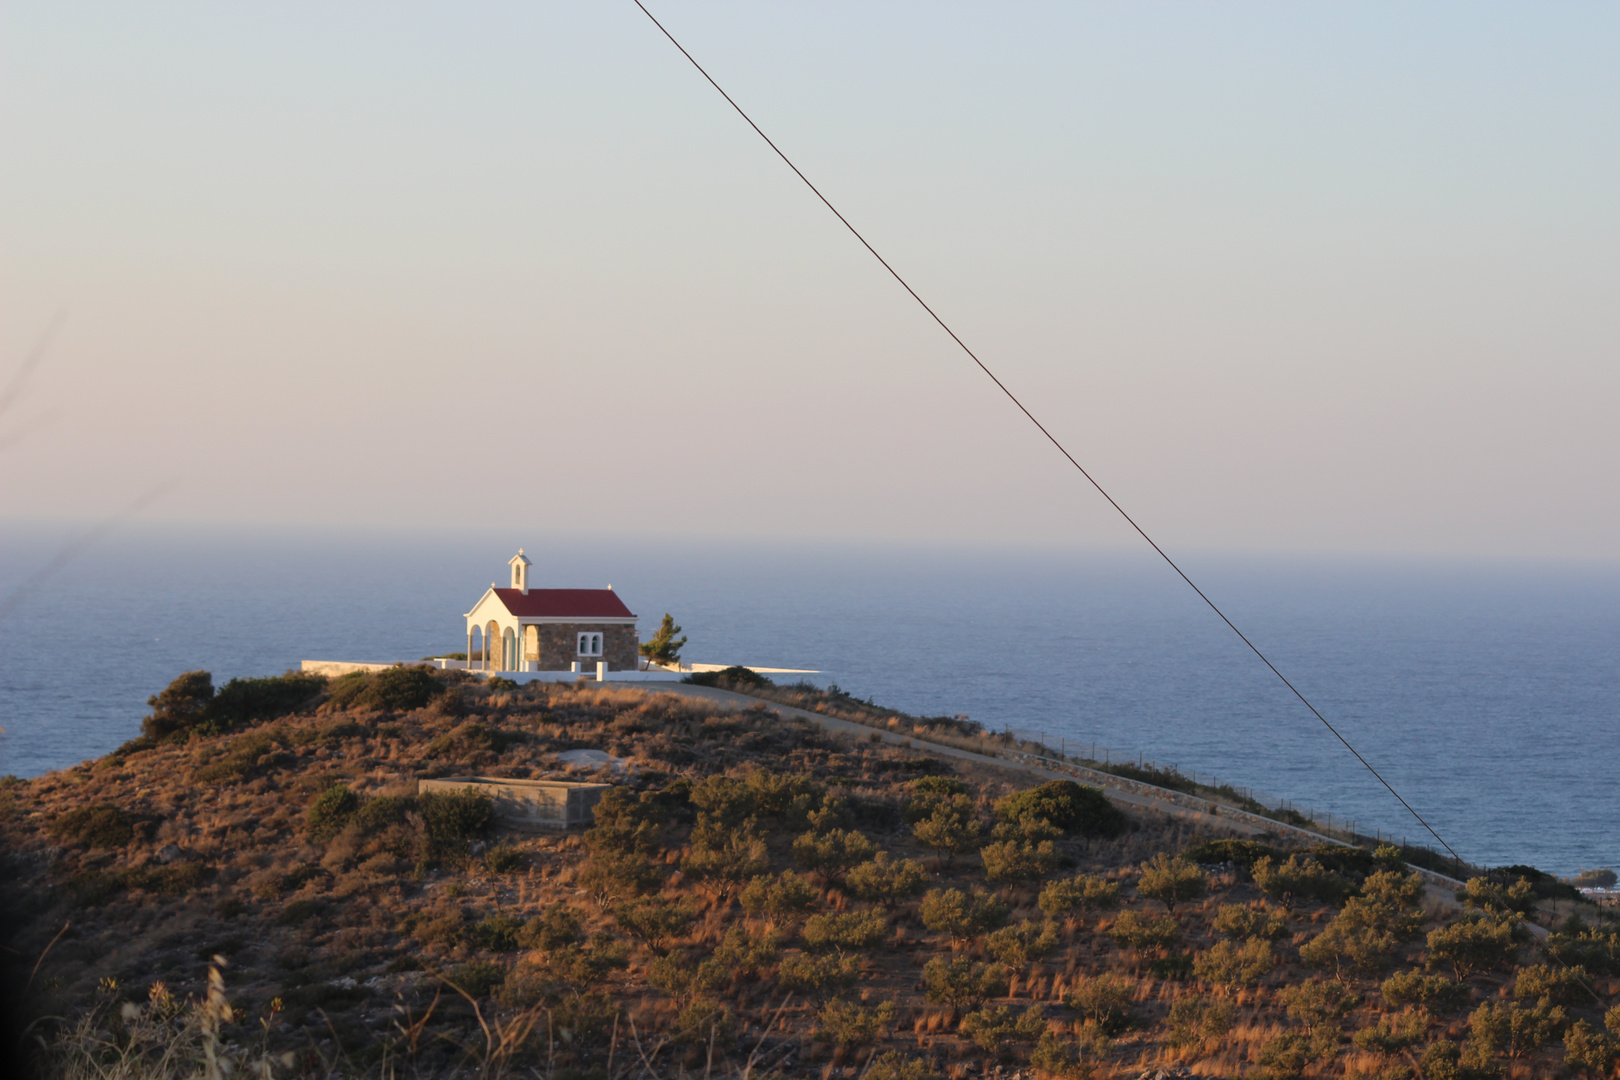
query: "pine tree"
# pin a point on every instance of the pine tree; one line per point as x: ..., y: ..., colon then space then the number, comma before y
x: 664, y: 647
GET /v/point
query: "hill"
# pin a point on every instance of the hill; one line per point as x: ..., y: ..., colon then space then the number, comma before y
x: 256, y: 880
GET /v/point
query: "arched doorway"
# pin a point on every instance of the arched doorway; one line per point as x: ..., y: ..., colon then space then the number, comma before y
x: 508, y: 650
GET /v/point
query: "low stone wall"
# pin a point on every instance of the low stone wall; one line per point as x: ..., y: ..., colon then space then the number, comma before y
x: 528, y: 804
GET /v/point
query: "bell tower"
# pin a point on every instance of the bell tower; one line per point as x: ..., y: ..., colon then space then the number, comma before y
x: 520, y: 572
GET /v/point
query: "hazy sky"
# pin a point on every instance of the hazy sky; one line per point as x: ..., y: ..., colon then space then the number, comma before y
x: 1294, y: 276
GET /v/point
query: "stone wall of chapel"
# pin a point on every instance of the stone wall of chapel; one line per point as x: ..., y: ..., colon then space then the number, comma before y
x: 559, y: 646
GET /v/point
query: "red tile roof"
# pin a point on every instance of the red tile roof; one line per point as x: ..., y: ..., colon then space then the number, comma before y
x: 583, y: 604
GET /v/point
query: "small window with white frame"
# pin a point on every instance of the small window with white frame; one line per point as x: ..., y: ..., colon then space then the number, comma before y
x: 590, y: 644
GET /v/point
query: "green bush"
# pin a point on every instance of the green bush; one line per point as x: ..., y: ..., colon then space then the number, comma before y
x: 384, y: 811
x: 781, y: 898
x: 179, y: 706
x: 1136, y: 931
x: 1316, y: 1002
x: 1300, y: 878
x: 893, y: 1065
x: 1066, y: 806
x: 1171, y: 881
x: 885, y: 879
x: 1434, y: 992
x: 848, y: 1024
x: 1081, y: 893
x: 654, y: 919
x: 248, y: 701
x: 1393, y: 1033
x: 554, y: 928
x: 478, y: 979
x: 1496, y: 896
x: 330, y: 812
x: 1597, y: 949
x: 832, y: 854
x: 960, y: 914
x: 101, y: 825
x: 452, y: 820
x: 1592, y: 1051
x: 817, y: 975
x: 845, y: 930
x: 1018, y: 860
x: 726, y: 868
x: 1513, y: 1028
x: 745, y: 953
x: 395, y: 689
x: 1104, y: 1000
x: 952, y: 826
x: 961, y: 983
x: 497, y: 933
x: 503, y: 858
x: 1474, y: 944
x: 608, y: 875
x: 1244, y: 853
x: 1230, y: 964
x: 994, y: 1030
x: 1243, y: 921
x: 1194, y: 1019
x: 731, y: 678
x: 1018, y: 945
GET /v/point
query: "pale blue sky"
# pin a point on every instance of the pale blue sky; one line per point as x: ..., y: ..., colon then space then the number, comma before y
x: 1300, y: 277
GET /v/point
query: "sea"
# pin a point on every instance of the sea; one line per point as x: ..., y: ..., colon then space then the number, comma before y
x: 1486, y: 693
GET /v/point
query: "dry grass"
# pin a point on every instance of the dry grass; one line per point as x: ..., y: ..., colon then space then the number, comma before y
x: 356, y: 956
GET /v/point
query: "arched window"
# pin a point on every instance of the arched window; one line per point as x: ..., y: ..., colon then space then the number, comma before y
x: 590, y: 645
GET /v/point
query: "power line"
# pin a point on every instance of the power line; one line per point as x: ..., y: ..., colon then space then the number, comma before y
x: 1049, y: 436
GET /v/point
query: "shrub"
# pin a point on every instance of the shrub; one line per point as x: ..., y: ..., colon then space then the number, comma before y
x: 1062, y: 1059
x: 1471, y: 945
x: 1230, y: 964
x: 246, y: 701
x: 961, y: 983
x: 1595, y: 879
x: 1171, y: 881
x: 894, y: 1065
x: 497, y: 933
x: 1511, y: 1028
x: 1346, y: 945
x: 1082, y: 893
x: 1136, y: 931
x: 179, y: 706
x: 101, y: 825
x: 781, y: 898
x: 848, y: 930
x: 1018, y: 945
x: 453, y: 819
x: 1066, y: 806
x: 298, y: 912
x: 1105, y: 1000
x: 1194, y: 1019
x: 478, y: 979
x: 503, y: 858
x: 1018, y: 860
x: 383, y: 811
x: 1392, y: 1033
x: 243, y: 757
x: 682, y: 980
x: 993, y: 1030
x: 1494, y: 896
x: 555, y: 928
x: 1285, y: 1055
x: 885, y: 879
x: 1560, y: 985
x: 1591, y: 1051
x: 1316, y: 1002
x: 848, y: 1024
x: 724, y: 869
x: 731, y: 678
x: 1243, y: 921
x: 653, y: 919
x: 1300, y: 878
x: 1597, y: 949
x: 832, y: 854
x: 396, y: 689
x: 1434, y: 992
x: 330, y: 811
x: 746, y: 953
x: 961, y: 915
x: 817, y: 975
x: 1244, y: 853
x: 583, y: 964
x: 608, y: 875
x: 953, y: 827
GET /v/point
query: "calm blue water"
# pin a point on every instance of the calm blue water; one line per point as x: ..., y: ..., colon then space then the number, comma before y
x: 1488, y: 694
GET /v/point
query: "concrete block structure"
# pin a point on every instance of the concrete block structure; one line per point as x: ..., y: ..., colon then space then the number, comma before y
x: 528, y: 804
x: 524, y: 629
